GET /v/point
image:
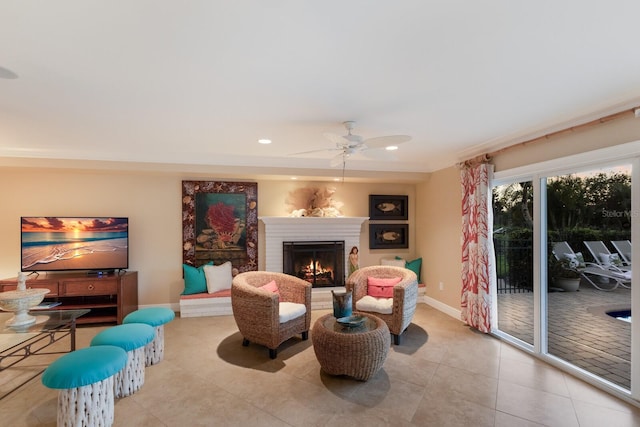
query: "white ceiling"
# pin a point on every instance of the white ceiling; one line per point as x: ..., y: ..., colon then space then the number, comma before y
x: 199, y: 82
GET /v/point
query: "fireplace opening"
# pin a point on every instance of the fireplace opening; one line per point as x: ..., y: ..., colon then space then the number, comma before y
x: 319, y: 263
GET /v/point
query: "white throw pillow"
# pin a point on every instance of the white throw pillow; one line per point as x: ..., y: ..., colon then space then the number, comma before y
x: 572, y: 259
x: 376, y: 305
x: 393, y: 261
x: 605, y: 260
x: 615, y: 260
x: 218, y: 277
x: 290, y: 310
x: 580, y: 258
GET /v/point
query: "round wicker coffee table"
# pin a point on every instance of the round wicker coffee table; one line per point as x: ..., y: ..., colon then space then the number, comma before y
x: 357, y: 352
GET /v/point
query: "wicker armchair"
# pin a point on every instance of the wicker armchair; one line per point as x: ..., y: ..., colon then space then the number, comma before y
x: 405, y: 295
x: 257, y: 311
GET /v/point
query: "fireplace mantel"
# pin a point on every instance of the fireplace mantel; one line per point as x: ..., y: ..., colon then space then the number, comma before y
x: 278, y: 229
x: 314, y: 221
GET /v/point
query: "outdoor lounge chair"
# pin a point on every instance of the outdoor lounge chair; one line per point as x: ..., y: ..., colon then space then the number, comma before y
x: 604, y: 257
x: 624, y: 249
x: 589, y: 271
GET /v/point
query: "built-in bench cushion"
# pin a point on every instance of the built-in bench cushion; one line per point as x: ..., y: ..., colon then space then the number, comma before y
x: 206, y: 295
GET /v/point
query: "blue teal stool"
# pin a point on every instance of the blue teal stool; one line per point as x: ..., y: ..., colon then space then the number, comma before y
x: 156, y: 317
x: 131, y: 338
x: 85, y: 378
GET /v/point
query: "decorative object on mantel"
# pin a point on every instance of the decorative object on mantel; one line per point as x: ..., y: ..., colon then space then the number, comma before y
x: 20, y: 301
x: 313, y: 201
x: 220, y: 223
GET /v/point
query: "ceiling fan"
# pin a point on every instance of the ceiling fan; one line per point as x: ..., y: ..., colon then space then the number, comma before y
x: 349, y: 144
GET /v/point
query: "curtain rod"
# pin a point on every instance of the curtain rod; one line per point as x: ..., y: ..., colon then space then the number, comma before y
x: 483, y: 158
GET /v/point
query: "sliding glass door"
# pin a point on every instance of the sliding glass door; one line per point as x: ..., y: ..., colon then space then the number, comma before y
x: 563, y: 260
x: 589, y: 291
x: 513, y: 243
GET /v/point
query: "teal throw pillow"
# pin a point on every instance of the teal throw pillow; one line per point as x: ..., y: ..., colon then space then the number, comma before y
x: 415, y: 267
x: 195, y: 281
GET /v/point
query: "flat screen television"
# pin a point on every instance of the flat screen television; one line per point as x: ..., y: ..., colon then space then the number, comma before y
x: 99, y: 244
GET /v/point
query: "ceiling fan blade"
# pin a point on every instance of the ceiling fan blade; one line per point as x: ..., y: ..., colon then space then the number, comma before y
x: 337, y: 139
x: 314, y: 151
x: 385, y: 141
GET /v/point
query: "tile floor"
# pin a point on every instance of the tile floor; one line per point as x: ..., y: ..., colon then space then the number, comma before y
x: 580, y: 331
x: 444, y: 374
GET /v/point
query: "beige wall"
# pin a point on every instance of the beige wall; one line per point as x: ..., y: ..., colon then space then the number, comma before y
x: 438, y: 221
x: 151, y: 200
x: 619, y: 131
x: 438, y: 229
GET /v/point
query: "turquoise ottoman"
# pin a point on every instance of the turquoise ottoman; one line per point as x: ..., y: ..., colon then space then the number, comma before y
x: 131, y: 338
x: 156, y: 317
x: 85, y: 379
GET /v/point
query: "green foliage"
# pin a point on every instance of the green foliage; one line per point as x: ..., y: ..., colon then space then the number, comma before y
x: 601, y: 201
x: 561, y: 269
x: 579, y: 208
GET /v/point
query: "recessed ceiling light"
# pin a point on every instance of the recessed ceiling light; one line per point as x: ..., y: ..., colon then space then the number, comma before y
x: 391, y: 148
x: 264, y: 141
x: 294, y: 178
x: 336, y: 179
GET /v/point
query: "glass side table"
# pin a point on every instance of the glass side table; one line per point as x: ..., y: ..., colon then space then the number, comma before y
x: 18, y: 343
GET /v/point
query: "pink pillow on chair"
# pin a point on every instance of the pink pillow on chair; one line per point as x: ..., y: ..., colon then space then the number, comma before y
x: 381, y: 288
x: 271, y: 286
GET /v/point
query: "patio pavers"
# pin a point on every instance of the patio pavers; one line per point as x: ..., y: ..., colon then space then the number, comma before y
x: 580, y: 331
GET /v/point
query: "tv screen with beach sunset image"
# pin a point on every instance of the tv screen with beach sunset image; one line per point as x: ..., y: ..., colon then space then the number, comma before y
x: 74, y: 243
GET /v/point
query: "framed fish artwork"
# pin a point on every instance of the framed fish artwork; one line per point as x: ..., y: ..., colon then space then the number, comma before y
x: 388, y: 236
x: 388, y: 207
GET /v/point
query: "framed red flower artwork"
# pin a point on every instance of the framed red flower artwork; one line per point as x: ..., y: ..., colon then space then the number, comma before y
x: 220, y: 223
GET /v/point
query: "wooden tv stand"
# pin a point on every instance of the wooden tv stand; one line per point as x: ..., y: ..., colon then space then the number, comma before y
x: 110, y: 297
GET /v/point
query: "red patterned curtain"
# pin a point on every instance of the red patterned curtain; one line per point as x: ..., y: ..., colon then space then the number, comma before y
x: 477, y: 246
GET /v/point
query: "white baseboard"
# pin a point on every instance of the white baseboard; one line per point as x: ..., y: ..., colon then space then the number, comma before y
x: 322, y: 300
x: 446, y: 309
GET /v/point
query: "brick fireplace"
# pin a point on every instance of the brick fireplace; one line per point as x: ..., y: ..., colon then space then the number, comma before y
x: 278, y: 230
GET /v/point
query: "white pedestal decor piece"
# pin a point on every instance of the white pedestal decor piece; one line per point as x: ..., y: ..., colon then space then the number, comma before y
x: 19, y: 302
